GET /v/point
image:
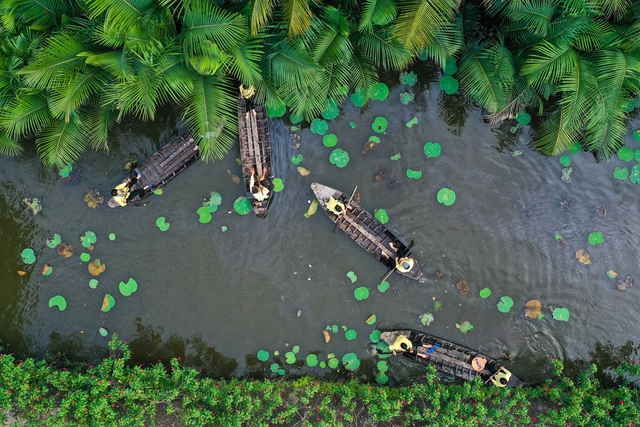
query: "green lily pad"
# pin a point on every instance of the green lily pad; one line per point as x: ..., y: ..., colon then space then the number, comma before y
x: 128, y: 288
x: 162, y: 224
x: 297, y: 159
x: 350, y: 361
x: 408, y: 78
x: 276, y: 353
x: 449, y: 85
x: 339, y: 157
x: 295, y: 349
x: 625, y: 154
x: 333, y: 363
x: 323, y: 364
x: 485, y: 293
x: 205, y: 214
x: 375, y: 336
x: 103, y: 331
x: 359, y: 97
x: 275, y: 368
x: 112, y: 236
x: 575, y: 148
x: 47, y: 270
x: 382, y: 366
x: 277, y: 111
x: 621, y: 173
x: 353, y: 124
x: 634, y: 177
x: 636, y: 155
x: 290, y: 357
x: 93, y: 283
x: 561, y: 314
x: 414, y: 174
x: 381, y: 216
x: 242, y: 205
x: 350, y: 335
x: 437, y: 305
x: 331, y: 110
x: 351, y: 275
x: 85, y: 256
x: 636, y: 135
x: 432, y: 149
x: 378, y: 91
x: 505, y: 304
x: 319, y: 126
x: 312, y: 360
x: 380, y: 124
x: 375, y: 139
x: 596, y: 238
x: 450, y: 67
x: 295, y: 119
x: 361, y: 293
x: 334, y: 329
x: 523, y: 118
x: 263, y: 355
x: 565, y: 160
x: 278, y: 185
x: 382, y: 378
x: 58, y: 301
x: 426, y: 318
x: 158, y: 191
x: 54, y: 241
x: 446, y: 196
x: 382, y: 287
x: 107, y: 303
x: 28, y: 256
x: 371, y: 320
x: 223, y: 228
x: 88, y: 239
x: 65, y: 171
x: 330, y: 140
x: 412, y: 122
x: 465, y: 327
x: 344, y: 328
x: 395, y: 157
x: 214, y: 199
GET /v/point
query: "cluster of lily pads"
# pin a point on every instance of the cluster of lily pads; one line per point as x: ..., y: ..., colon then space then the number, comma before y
x: 627, y: 154
x: 565, y: 161
x: 208, y: 207
x: 350, y: 361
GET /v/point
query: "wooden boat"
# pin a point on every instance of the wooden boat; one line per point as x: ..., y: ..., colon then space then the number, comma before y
x: 365, y: 229
x: 255, y: 153
x: 451, y: 358
x: 171, y: 160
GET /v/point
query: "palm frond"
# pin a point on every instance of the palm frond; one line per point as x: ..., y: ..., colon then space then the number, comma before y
x: 38, y: 15
x: 551, y: 137
x: 121, y: 14
x: 61, y: 143
x: 598, y: 35
x: 383, y: 50
x: 467, y: 20
x: 548, y: 63
x: 536, y: 16
x: 288, y: 60
x: 66, y: 99
x: 244, y: 61
x: 140, y: 95
x: 444, y: 45
x: 578, y: 97
x: 568, y: 28
x: 419, y: 20
x: 378, y: 12
x: 614, y: 9
x: 261, y: 11
x: 116, y: 62
x: 332, y: 42
x: 97, y: 121
x: 297, y: 16
x: 205, y: 21
x: 363, y: 72
x: 9, y: 147
x: 25, y: 116
x: 178, y: 79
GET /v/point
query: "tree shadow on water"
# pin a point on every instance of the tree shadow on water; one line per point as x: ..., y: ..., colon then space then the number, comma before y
x: 454, y: 111
x: 607, y: 358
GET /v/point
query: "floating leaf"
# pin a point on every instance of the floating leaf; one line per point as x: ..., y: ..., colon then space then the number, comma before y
x: 414, y: 174
x: 331, y: 110
x: 625, y: 154
x: 575, y: 148
x: 312, y: 360
x: 93, y: 283
x: 634, y: 177
x: 88, y: 239
x: 636, y: 135
x: 533, y: 308
x: 313, y: 207
x: 371, y: 320
x: 523, y: 118
x: 103, y: 331
x: 359, y: 97
x: 242, y: 205
x: 96, y: 267
x: 158, y: 191
x: 351, y: 275
x: 612, y: 274
x: 350, y: 361
x: 561, y: 314
x: 54, y: 241
x: 350, y: 335
x: 375, y: 336
x: 408, y: 78
x: 485, y: 293
x: 21, y: 272
x: 382, y: 287
x: 621, y: 173
x: 295, y: 119
x: 215, y: 198
x: 382, y: 366
x: 330, y: 140
x: 565, y: 160
x: 449, y: 85
x: 223, y: 228
x: 65, y: 250
x: 128, y: 288
x: 333, y: 363
x: 463, y: 287
x: 276, y: 111
x: 381, y: 378
x: 28, y: 256
x: 47, y: 270
x: 412, y: 122
x: 465, y: 327
x: 437, y: 305
x: 295, y: 349
x: 93, y: 198
x: 381, y: 216
x: 353, y: 125
x: 107, y: 303
x: 505, y: 304
x: 426, y: 318
x: 275, y: 368
x: 379, y: 91
x: 339, y: 157
x: 326, y: 336
x: 432, y: 149
x: 65, y: 171
x: 297, y: 159
x: 58, y: 301
x: 624, y: 284
x: 162, y: 224
x: 380, y: 124
x: 303, y: 171
x: 583, y: 256
x: 334, y: 329
x: 361, y: 293
x: 204, y: 214
x: 290, y: 357
x: 112, y: 236
x: 628, y: 105
x: 596, y: 238
x: 85, y: 256
x: 278, y: 185
x: 235, y: 178
x: 450, y: 67
x: 319, y: 126
x: 396, y: 157
x: 263, y: 355
x: 446, y: 196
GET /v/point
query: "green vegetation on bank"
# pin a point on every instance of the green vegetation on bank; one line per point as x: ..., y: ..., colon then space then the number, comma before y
x: 113, y: 393
x: 70, y: 69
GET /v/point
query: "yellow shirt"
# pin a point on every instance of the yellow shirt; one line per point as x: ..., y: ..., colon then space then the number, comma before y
x: 123, y: 192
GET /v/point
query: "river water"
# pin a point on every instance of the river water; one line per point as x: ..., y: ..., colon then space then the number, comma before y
x: 216, y: 298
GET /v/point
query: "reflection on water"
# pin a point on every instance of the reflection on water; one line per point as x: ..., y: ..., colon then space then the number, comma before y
x: 214, y: 297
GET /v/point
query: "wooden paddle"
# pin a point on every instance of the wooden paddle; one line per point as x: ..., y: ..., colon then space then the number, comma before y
x: 345, y: 210
x: 392, y: 269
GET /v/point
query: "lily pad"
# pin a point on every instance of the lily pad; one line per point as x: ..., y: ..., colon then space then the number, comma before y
x: 276, y: 111
x: 128, y: 288
x: 596, y: 238
x: 634, y: 177
x: 158, y: 191
x: 533, y: 309
x: 351, y: 275
x: 65, y: 171
x: 375, y: 139
x: 374, y: 336
x: 28, y: 256
x: 295, y: 349
x: 432, y: 149
x: 381, y: 216
x: 450, y: 67
x: 333, y: 363
x: 313, y: 207
x: 107, y: 302
x: 382, y: 287
x: 625, y: 154
x: 446, y: 196
x: 205, y: 214
x: 583, y: 256
x: 112, y: 236
x: 465, y: 327
x: 96, y: 267
x: 412, y: 122
x: 361, y: 293
x: 93, y: 198
x: 290, y: 357
x: 319, y: 126
x: 359, y: 97
x: 381, y: 378
x: 621, y: 173
x: 371, y: 320
x: 382, y: 366
x: 624, y: 283
x: 47, y: 270
x: 295, y: 119
x: 463, y: 287
x: 330, y: 140
x: 312, y: 360
x: 350, y: 361
x: 575, y: 148
x: 331, y: 110
x: 58, y: 301
x: 505, y: 304
x: 278, y: 185
x: 408, y: 78
x: 485, y: 293
x: 65, y: 250
x: 339, y: 157
x: 426, y: 318
x: 242, y: 205
x: 85, y: 256
x: 565, y: 160
x: 380, y: 124
x: 379, y: 91
x: 88, y: 239
x: 103, y: 331
x: 303, y: 171
x: 162, y: 224
x: 353, y: 124
x: 612, y: 274
x: 628, y: 105
x: 54, y: 241
x: 263, y: 355
x: 334, y: 329
x: 523, y: 118
x: 437, y: 305
x: 561, y: 314
x: 449, y: 85
x: 414, y: 174
x: 93, y: 283
x: 215, y: 199
x: 297, y: 159
x: 395, y: 157
x: 275, y: 368
x: 350, y: 335
x: 636, y: 135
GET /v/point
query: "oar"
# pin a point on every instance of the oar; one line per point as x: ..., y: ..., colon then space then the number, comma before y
x: 345, y: 210
x: 392, y: 269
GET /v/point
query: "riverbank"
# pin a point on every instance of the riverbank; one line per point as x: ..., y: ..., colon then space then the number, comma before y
x: 114, y: 393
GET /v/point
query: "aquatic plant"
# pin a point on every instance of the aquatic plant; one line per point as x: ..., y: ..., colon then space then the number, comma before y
x: 407, y: 97
x: 408, y: 78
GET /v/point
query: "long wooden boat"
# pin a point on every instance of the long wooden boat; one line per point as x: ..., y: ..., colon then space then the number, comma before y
x: 365, y: 229
x: 255, y: 153
x: 450, y: 357
x: 164, y: 165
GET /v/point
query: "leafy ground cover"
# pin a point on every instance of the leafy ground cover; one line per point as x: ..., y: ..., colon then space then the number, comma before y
x: 115, y: 393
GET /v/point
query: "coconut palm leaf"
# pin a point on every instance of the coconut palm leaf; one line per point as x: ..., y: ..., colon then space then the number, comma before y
x: 567, y: 28
x: 210, y: 114
x: 296, y: 16
x: 578, y: 97
x: 139, y: 95
x: 383, y: 50
x: 444, y: 45
x: 332, y: 37
x: 116, y: 62
x: 244, y: 61
x: 379, y: 12
x: 260, y: 12
x: 615, y: 9
x: 67, y: 98
x: 62, y: 143
x: 551, y: 138
x: 9, y: 147
x: 206, y: 21
x: 549, y: 62
x: 468, y: 20
x: 363, y: 72
x: 419, y: 20
x: 598, y: 35
x: 178, y: 78
x: 122, y: 14
x: 37, y: 15
x: 25, y: 116
x: 288, y: 60
x: 98, y: 120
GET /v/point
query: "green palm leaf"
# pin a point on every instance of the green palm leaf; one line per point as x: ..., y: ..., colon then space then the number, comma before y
x: 25, y: 116
x: 332, y: 42
x: 379, y: 12
x: 64, y: 100
x: 117, y: 63
x: 548, y: 63
x: 203, y: 20
x: 534, y: 17
x: 261, y: 11
x: 551, y: 137
x: 363, y: 72
x: 9, y: 147
x: 38, y: 15
x: 419, y: 20
x: 615, y: 9
x: 97, y: 120
x: 384, y: 50
x: 122, y: 14
x: 140, y: 95
x: 578, y: 97
x: 444, y: 44
x: 62, y: 143
x: 244, y: 61
x: 297, y: 16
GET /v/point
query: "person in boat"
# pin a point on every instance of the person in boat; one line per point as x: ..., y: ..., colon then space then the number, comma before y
x: 337, y: 207
x: 260, y: 192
